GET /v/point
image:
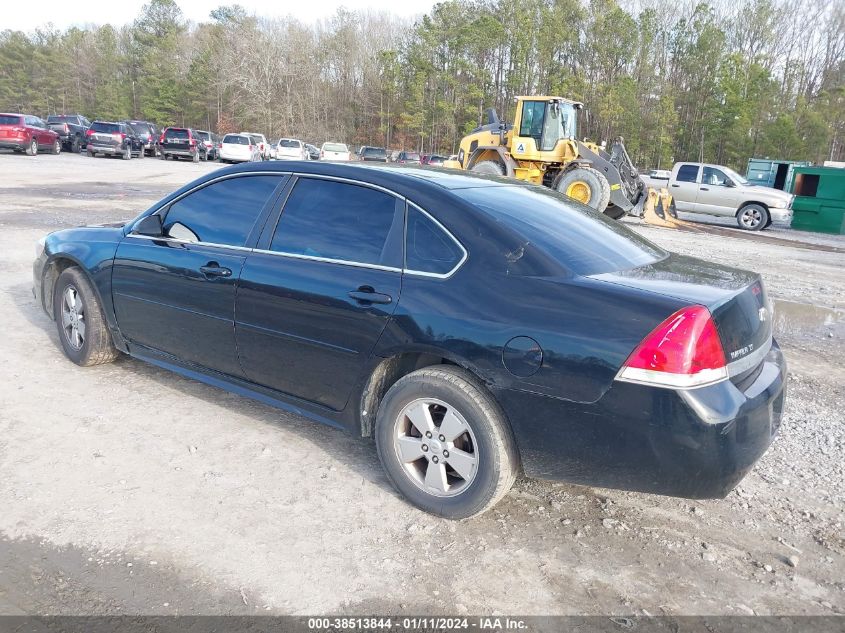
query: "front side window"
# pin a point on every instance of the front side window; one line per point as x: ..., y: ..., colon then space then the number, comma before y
x: 337, y: 220
x: 224, y: 212
x: 713, y: 176
x: 688, y: 173
x: 428, y: 249
x: 532, y: 119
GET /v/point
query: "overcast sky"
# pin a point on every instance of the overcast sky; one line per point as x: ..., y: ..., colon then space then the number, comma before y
x: 118, y: 12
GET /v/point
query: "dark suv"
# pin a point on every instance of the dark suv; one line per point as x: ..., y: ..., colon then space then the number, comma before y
x: 409, y: 158
x: 148, y: 133
x: 373, y: 154
x: 113, y: 139
x: 211, y: 141
x: 182, y: 142
x: 71, y: 129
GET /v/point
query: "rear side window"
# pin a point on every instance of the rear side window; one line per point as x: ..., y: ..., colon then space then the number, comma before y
x: 687, y: 173
x: 224, y: 212
x: 5, y: 119
x: 428, y: 248
x: 336, y: 220
x: 375, y: 152
x: 579, y: 239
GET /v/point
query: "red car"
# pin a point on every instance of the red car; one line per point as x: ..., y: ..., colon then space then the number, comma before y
x: 27, y: 133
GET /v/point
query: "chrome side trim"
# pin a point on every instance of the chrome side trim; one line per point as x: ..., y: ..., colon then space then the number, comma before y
x: 420, y: 273
x: 328, y: 260
x: 672, y: 381
x: 178, y: 241
x: 350, y: 181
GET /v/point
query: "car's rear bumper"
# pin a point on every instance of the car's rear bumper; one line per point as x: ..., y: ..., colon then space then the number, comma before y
x: 178, y: 152
x: 105, y: 149
x: 13, y: 143
x: 696, y: 443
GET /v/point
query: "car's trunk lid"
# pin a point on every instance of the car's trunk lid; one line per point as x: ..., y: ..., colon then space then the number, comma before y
x: 736, y: 299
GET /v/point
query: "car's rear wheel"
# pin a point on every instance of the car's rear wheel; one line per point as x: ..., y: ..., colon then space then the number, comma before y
x: 163, y: 156
x: 753, y: 217
x: 32, y: 150
x: 75, y: 145
x: 444, y: 442
x: 57, y: 147
x: 585, y: 185
x: 196, y: 157
x: 127, y: 153
x: 83, y: 332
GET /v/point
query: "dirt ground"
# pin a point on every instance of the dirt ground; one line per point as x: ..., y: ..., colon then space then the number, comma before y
x: 127, y: 489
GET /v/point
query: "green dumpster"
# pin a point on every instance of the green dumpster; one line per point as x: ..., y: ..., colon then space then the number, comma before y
x: 772, y: 173
x: 819, y: 203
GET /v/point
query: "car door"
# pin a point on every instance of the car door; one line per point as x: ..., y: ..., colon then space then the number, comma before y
x: 717, y: 193
x: 684, y: 188
x: 176, y: 293
x: 316, y: 294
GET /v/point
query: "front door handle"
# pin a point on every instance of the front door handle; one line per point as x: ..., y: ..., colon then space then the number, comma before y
x: 213, y: 269
x: 366, y: 295
x: 676, y: 185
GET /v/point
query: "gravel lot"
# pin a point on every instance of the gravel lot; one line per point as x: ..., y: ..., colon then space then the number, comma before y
x: 127, y: 489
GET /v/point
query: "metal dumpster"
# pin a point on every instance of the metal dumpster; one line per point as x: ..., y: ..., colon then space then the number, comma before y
x: 819, y: 203
x: 772, y: 173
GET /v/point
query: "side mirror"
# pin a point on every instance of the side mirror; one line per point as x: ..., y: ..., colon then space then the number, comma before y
x: 150, y: 225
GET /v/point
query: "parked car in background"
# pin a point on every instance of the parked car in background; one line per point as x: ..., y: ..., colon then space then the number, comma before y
x: 433, y: 159
x: 27, y: 133
x: 720, y: 191
x: 113, y: 139
x: 373, y: 154
x: 409, y: 158
x: 313, y: 151
x: 149, y: 135
x: 71, y: 129
x: 210, y: 141
x: 611, y: 363
x: 394, y: 156
x: 291, y: 149
x: 182, y: 142
x: 263, y: 145
x: 238, y: 148
x: 335, y: 151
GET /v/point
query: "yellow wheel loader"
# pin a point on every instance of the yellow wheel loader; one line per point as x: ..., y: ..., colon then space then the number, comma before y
x: 542, y: 147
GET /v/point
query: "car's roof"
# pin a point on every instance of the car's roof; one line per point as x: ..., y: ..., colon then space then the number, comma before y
x: 449, y: 179
x: 12, y: 114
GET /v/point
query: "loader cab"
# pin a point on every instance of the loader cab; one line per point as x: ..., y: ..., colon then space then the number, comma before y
x: 546, y: 120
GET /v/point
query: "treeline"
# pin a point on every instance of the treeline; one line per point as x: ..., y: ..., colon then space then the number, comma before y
x: 679, y: 81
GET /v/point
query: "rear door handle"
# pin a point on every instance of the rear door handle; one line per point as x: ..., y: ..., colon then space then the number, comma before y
x: 676, y: 185
x: 213, y: 269
x: 366, y: 294
x: 703, y: 189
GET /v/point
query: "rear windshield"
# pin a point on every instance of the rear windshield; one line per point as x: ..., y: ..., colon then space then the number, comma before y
x: 335, y: 147
x: 412, y: 156
x: 140, y: 128
x: 6, y: 119
x: 176, y: 133
x: 206, y: 136
x: 108, y: 128
x: 286, y: 142
x: 236, y: 139
x: 583, y: 241
x: 377, y: 152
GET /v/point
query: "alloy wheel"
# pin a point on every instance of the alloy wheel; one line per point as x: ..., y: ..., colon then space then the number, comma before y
x: 436, y: 447
x: 750, y: 218
x: 73, y: 317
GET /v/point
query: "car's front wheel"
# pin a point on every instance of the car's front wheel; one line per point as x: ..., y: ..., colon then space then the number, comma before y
x: 752, y: 217
x: 444, y: 442
x: 83, y: 332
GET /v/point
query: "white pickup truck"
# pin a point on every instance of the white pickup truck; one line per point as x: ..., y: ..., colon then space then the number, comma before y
x: 720, y: 191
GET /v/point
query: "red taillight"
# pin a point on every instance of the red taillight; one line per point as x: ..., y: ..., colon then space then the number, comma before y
x: 161, y: 138
x: 684, y: 351
x: 89, y: 133
x: 119, y: 136
x: 67, y: 129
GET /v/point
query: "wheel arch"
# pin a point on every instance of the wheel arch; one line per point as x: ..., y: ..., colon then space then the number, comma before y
x: 493, y: 152
x: 391, y: 368
x: 750, y: 202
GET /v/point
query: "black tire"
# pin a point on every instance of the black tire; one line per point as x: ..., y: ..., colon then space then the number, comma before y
x: 32, y: 148
x: 57, y: 147
x: 127, y: 153
x: 494, y: 450
x: 593, y: 184
x: 96, y: 345
x: 196, y: 157
x: 491, y: 167
x: 753, y: 217
x: 75, y: 145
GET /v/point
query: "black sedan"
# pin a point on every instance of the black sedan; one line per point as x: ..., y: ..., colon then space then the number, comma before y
x: 476, y: 328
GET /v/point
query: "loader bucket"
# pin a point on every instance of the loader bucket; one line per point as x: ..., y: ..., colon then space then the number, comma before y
x: 659, y: 209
